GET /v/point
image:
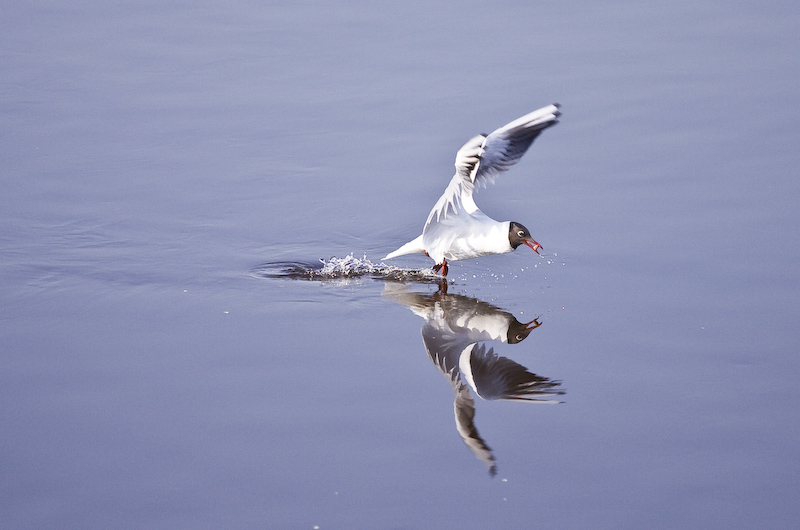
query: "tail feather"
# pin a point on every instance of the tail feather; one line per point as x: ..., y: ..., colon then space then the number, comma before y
x: 412, y: 247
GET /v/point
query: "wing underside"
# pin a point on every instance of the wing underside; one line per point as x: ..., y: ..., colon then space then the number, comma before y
x: 482, y: 158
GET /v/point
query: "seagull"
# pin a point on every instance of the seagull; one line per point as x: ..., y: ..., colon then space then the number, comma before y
x: 456, y: 229
x: 455, y: 334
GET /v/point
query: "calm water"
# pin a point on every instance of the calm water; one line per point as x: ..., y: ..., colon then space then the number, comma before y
x: 163, y: 162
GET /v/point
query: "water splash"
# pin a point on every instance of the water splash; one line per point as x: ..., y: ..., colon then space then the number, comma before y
x: 345, y: 268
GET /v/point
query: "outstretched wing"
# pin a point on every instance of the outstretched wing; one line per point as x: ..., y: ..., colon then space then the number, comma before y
x: 495, y: 377
x: 505, y: 146
x: 483, y: 157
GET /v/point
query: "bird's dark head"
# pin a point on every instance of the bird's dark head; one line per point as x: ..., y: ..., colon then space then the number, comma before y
x: 518, y: 235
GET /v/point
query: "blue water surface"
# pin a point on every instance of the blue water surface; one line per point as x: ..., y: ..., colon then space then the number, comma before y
x: 173, y: 355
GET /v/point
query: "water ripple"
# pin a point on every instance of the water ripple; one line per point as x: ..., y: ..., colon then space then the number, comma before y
x: 343, y: 268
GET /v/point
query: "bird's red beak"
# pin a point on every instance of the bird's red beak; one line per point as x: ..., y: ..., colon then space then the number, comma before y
x: 534, y: 245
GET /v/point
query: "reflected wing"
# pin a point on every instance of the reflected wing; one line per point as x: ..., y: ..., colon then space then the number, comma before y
x: 484, y: 157
x: 496, y: 377
x: 464, y: 409
x: 444, y: 347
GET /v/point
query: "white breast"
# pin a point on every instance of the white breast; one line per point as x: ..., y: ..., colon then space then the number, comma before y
x: 478, y: 237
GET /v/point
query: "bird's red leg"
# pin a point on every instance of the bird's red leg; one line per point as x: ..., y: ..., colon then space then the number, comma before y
x: 441, y: 267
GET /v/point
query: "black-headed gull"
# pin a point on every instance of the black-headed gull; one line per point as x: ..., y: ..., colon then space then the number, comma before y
x: 456, y: 229
x: 455, y: 334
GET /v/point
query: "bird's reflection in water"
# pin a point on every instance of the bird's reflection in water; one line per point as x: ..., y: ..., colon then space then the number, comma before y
x: 455, y: 330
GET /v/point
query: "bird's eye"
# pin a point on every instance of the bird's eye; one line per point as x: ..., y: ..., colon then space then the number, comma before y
x: 520, y: 233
